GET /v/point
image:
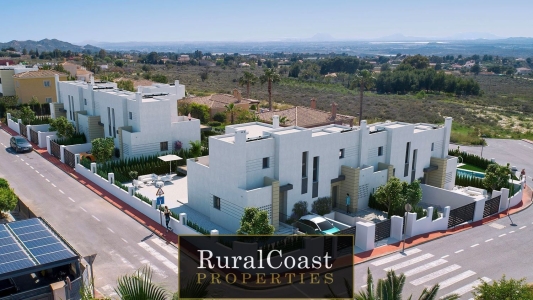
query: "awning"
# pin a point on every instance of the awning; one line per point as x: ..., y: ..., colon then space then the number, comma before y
x: 431, y: 168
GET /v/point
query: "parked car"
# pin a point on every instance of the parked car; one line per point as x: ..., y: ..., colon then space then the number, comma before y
x: 314, y: 224
x: 87, y: 155
x: 20, y: 144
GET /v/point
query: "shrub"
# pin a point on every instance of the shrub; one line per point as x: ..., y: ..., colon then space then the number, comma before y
x: 322, y: 206
x: 373, y: 203
x: 143, y: 198
x: 214, y: 124
x: 3, y: 183
x: 220, y: 117
x: 300, y: 209
x: 120, y: 185
x: 198, y: 228
x: 471, y: 159
x: 86, y: 162
x: 75, y: 139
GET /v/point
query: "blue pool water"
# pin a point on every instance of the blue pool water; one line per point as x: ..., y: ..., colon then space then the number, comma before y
x: 462, y: 172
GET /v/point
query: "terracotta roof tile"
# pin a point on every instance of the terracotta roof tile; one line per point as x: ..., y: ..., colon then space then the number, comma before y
x: 39, y: 74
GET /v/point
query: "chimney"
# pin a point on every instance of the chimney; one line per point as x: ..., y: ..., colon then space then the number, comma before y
x: 313, y: 103
x: 92, y: 79
x: 333, y: 111
x: 275, y: 121
x: 237, y: 94
x: 240, y: 136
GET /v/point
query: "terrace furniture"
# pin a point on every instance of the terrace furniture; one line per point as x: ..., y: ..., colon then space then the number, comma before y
x: 159, y: 184
x: 146, y: 178
x: 137, y: 183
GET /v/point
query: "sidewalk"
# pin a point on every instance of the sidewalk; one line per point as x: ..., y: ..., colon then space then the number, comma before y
x: 427, y: 237
x: 153, y: 226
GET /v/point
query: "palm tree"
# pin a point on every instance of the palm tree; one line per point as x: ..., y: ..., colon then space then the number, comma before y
x: 248, y: 79
x: 196, y: 149
x: 283, y: 120
x: 364, y: 80
x: 139, y: 286
x: 270, y: 76
x: 231, y: 109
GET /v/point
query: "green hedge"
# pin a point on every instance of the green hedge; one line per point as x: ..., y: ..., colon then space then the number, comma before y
x: 77, y: 138
x: 464, y: 180
x: 198, y: 228
x: 471, y: 159
x: 143, y: 198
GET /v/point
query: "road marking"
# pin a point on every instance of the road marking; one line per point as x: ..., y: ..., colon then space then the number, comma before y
x: 54, y: 185
x: 96, y: 218
x: 124, y: 260
x: 83, y: 209
x: 489, y: 240
x: 459, y: 251
x: 42, y: 175
x: 522, y: 227
x: 167, y: 247
x: 435, y: 274
x: 47, y: 180
x: 445, y: 256
x: 453, y: 280
x: 31, y: 167
x: 158, y: 271
x: 108, y: 289
x: 467, y: 288
x: 502, y: 235
x: 159, y: 257
x: 395, y: 257
x: 409, y: 262
x: 110, y: 229
x: 22, y: 159
x: 124, y: 240
x: 475, y: 245
x: 27, y: 164
x: 17, y: 156
x: 496, y: 225
x: 71, y: 199
x: 511, y: 232
x: 36, y: 171
x: 61, y: 192
x: 425, y: 267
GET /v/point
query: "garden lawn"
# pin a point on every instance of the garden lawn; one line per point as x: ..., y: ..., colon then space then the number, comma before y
x: 471, y: 168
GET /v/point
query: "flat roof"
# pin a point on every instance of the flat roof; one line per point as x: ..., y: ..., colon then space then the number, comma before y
x: 30, y: 246
x: 254, y: 130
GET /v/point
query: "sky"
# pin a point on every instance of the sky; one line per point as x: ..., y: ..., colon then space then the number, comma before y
x: 253, y: 20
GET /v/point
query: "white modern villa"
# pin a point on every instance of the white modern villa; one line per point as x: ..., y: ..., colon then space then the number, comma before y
x: 272, y: 167
x: 142, y: 123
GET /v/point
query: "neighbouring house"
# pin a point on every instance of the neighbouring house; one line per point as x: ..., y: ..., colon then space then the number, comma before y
x: 77, y: 71
x: 183, y: 58
x: 244, y: 65
x: 103, y: 67
x: 40, y: 84
x: 272, y: 167
x: 206, y: 63
x: 523, y: 71
x: 7, y: 82
x: 217, y: 102
x: 142, y: 123
x: 456, y: 66
x: 6, y: 62
x: 307, y: 117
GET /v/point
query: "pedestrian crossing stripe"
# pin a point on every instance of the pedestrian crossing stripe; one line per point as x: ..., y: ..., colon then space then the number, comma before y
x: 395, y: 257
x: 450, y: 281
x: 425, y: 267
x: 435, y: 274
x: 410, y: 262
x: 467, y: 288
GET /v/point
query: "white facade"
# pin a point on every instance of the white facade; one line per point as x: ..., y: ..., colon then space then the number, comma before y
x: 243, y: 163
x: 141, y: 123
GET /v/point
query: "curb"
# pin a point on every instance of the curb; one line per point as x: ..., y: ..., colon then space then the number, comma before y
x: 527, y: 141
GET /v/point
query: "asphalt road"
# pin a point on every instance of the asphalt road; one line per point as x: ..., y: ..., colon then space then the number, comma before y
x: 89, y: 223
x: 515, y: 152
x: 456, y: 262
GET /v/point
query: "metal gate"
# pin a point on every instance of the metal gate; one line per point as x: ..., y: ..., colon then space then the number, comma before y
x: 23, y: 130
x: 56, y: 149
x: 70, y: 159
x: 348, y: 231
x: 461, y: 214
x: 382, y: 230
x: 328, y: 245
x: 492, y: 206
x: 73, y: 292
x: 34, y: 136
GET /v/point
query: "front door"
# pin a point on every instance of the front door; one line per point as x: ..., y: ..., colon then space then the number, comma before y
x: 334, y: 194
x: 283, y: 206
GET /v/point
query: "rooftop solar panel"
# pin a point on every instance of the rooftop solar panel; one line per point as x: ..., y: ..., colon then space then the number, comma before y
x: 24, y: 223
x: 15, y: 265
x: 54, y: 256
x: 40, y: 242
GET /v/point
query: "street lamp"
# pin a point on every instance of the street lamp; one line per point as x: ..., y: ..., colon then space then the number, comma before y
x: 482, y: 143
x: 408, y: 208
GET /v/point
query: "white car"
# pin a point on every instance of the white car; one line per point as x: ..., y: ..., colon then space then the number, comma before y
x: 314, y: 224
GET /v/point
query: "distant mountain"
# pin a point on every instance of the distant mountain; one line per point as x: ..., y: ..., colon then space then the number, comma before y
x: 464, y: 36
x: 474, y: 36
x: 47, y: 45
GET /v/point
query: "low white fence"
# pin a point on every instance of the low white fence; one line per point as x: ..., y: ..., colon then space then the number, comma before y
x: 12, y: 125
x: 129, y: 198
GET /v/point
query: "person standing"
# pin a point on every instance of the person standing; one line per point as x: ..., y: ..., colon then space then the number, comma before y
x: 167, y: 217
x: 348, y: 200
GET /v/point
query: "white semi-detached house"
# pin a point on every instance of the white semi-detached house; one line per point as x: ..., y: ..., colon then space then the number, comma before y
x: 272, y: 168
x: 142, y: 123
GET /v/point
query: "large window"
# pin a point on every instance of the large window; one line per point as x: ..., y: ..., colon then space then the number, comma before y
x: 48, y: 100
x: 266, y: 162
x: 114, y: 130
x: 304, y: 173
x: 164, y: 146
x: 315, y: 169
x: 380, y: 151
x: 46, y: 83
x: 406, y: 167
x: 432, y: 146
x: 109, y: 120
x: 130, y: 114
x: 216, y: 202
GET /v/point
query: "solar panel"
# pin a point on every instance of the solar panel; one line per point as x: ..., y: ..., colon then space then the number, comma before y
x: 47, y: 249
x: 15, y: 265
x: 34, y: 236
x: 24, y: 223
x: 55, y: 256
x: 40, y: 242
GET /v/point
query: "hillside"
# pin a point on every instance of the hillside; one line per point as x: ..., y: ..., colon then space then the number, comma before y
x: 47, y: 45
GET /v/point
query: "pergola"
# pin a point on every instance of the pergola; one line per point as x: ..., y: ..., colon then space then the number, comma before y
x: 170, y: 158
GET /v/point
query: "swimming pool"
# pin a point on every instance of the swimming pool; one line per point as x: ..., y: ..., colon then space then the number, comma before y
x: 461, y: 172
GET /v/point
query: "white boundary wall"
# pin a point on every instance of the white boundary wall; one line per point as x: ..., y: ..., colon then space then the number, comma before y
x: 13, y: 125
x: 42, y: 137
x: 132, y: 201
x: 414, y: 227
x: 441, y: 197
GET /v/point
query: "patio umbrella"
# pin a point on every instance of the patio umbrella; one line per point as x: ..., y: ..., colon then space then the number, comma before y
x: 170, y: 158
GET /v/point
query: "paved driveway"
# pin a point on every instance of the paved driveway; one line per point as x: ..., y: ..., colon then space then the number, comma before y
x: 515, y: 152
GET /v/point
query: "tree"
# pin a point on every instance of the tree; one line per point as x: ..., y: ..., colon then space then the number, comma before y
x: 160, y: 78
x: 270, y: 76
x: 411, y: 192
x: 119, y: 63
x: 152, y: 58
x: 364, y: 80
x: 391, y: 287
x: 102, y: 54
x: 496, y: 177
x: 199, y: 111
x: 64, y: 128
x: 195, y: 149
x: 102, y: 149
x: 248, y: 79
x: 255, y: 222
x: 475, y: 69
x: 139, y: 286
x: 416, y: 61
x: 504, y: 289
x: 24, y: 51
x: 27, y: 115
x: 390, y: 194
x: 231, y: 109
x: 8, y: 198
x: 88, y: 62
x: 204, y: 75
x: 126, y: 85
